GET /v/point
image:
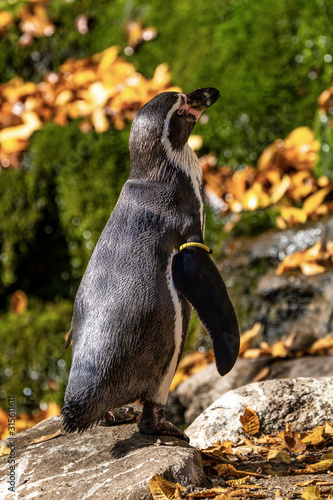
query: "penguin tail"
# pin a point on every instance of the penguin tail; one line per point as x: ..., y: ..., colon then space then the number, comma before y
x: 77, y: 416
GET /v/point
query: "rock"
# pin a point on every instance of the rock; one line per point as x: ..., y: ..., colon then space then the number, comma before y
x: 303, y: 402
x: 105, y: 462
x: 203, y: 388
x: 307, y: 366
x: 290, y: 303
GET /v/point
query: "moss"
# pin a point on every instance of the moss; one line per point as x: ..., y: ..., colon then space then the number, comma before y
x: 252, y: 223
x: 324, y: 132
x: 33, y: 355
x: 53, y: 210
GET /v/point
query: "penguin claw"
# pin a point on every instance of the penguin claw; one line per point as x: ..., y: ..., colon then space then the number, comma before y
x: 152, y: 421
x: 124, y: 415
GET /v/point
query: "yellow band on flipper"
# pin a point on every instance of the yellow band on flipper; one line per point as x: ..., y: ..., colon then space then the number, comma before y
x: 195, y: 244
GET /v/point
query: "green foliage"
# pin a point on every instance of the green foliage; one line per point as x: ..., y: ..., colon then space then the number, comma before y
x: 53, y: 210
x: 33, y: 355
x: 89, y: 171
x: 252, y: 223
x: 324, y: 132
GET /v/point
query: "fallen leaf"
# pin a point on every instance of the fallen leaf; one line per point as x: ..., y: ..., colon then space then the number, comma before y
x: 4, y: 450
x: 230, y: 470
x: 315, y: 437
x: 313, y: 201
x: 280, y: 189
x: 328, y: 428
x: 161, y: 489
x: 292, y: 441
x: 279, y: 457
x: 322, y: 466
x: 46, y: 438
x: 248, y: 337
x: 311, y: 269
x: 237, y: 482
x: 293, y: 215
x: 250, y: 421
x: 311, y: 493
x: 211, y: 493
x: 262, y: 375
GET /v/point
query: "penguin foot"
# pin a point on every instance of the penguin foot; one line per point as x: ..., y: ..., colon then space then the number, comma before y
x: 152, y: 421
x: 123, y: 415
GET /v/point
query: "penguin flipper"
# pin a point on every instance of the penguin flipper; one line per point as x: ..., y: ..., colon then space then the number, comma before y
x: 197, y: 278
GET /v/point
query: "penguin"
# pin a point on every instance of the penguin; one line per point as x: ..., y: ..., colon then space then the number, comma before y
x: 149, y: 269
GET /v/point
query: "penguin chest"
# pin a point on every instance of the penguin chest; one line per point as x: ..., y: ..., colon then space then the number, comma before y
x: 178, y: 334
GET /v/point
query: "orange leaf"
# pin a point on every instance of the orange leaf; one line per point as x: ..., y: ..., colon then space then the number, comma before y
x: 313, y: 201
x: 250, y: 421
x: 46, y: 438
x: 19, y: 302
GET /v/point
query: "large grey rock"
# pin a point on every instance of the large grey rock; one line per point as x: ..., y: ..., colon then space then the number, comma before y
x: 304, y: 403
x: 116, y: 463
x: 290, y: 303
x: 205, y: 387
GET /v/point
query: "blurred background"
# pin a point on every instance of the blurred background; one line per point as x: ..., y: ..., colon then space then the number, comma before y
x: 72, y: 76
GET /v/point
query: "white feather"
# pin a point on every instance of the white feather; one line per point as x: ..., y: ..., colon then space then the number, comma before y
x: 178, y: 334
x: 186, y: 160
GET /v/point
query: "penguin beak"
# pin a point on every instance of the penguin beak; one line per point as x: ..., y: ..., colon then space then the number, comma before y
x: 197, y: 101
x: 201, y: 99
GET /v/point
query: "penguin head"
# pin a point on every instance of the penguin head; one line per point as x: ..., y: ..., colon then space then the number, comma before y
x: 163, y: 125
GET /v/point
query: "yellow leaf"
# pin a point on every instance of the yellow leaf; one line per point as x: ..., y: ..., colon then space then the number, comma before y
x: 207, y: 493
x: 6, y: 19
x: 293, y: 215
x: 237, y: 482
x: 328, y: 425
x: 321, y: 346
x: 248, y: 337
x: 250, y: 421
x: 315, y: 437
x: 310, y: 268
x: 279, y: 350
x: 4, y: 450
x: 323, y: 181
x: 322, y: 466
x: 279, y: 190
x: 279, y: 456
x: 230, y: 470
x: 311, y: 493
x: 250, y: 200
x: 299, y: 136
x: 31, y: 123
x: 313, y: 201
x: 161, y: 489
